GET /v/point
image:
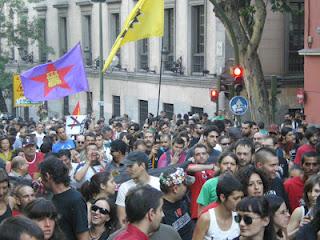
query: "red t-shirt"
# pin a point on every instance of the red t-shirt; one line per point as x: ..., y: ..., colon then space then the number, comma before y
x: 302, y: 150
x: 200, y: 179
x: 294, y: 188
x: 131, y: 233
x: 33, y: 169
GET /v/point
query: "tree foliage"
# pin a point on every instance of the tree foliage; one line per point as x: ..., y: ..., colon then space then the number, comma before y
x: 244, y: 22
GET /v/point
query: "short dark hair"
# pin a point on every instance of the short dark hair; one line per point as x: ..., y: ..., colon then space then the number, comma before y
x: 248, y: 122
x: 263, y: 153
x: 56, y: 169
x: 310, y: 132
x: 309, y: 155
x: 64, y: 152
x: 209, y: 129
x: 244, y: 142
x: 228, y: 154
x: 14, y: 227
x: 227, y: 184
x: 119, y: 145
x: 137, y: 204
x: 179, y: 140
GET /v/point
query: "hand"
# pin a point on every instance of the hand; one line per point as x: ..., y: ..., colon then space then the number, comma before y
x: 305, y: 220
x: 175, y: 158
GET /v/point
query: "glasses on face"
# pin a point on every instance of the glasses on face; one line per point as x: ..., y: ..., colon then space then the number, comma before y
x: 80, y: 142
x: 225, y: 144
x: 246, y: 219
x: 103, y: 211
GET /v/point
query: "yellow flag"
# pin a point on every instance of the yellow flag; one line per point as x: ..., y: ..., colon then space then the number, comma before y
x: 145, y: 20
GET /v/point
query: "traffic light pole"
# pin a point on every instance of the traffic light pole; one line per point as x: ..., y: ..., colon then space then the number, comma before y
x: 218, y: 85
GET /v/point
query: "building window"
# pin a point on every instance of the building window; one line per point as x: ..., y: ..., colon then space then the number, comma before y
x: 114, y: 32
x: 168, y: 39
x: 42, y: 42
x: 296, y: 38
x: 143, y: 111
x: 86, y: 39
x: 143, y: 54
x: 169, y: 109
x: 116, y: 106
x: 63, y: 37
x: 197, y: 19
x: 198, y: 110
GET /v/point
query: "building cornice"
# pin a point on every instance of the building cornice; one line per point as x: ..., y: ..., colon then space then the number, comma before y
x: 40, y: 8
x: 61, y: 5
x: 310, y: 52
x: 84, y: 3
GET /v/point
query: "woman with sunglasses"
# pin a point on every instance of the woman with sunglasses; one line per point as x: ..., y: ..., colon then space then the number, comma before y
x: 103, y: 219
x: 44, y: 214
x: 304, y: 214
x: 254, y: 219
x: 280, y: 215
x: 254, y: 181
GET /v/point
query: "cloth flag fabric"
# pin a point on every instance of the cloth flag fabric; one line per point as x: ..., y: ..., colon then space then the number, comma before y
x: 76, y: 110
x: 145, y: 20
x: 57, y: 79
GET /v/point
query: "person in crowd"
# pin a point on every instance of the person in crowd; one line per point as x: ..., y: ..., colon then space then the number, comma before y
x: 174, y: 183
x: 118, y: 150
x: 65, y: 156
x: 152, y: 147
x: 294, y: 186
x: 19, y: 171
x: 246, y: 129
x: 33, y: 157
x: 102, y: 151
x: 219, y: 222
x: 144, y: 214
x: 280, y: 216
x: 174, y: 156
x: 254, y: 180
x: 64, y: 142
x: 39, y: 134
x: 196, y: 134
x: 311, y: 135
x: 23, y: 194
x: 5, y: 149
x: 20, y: 228
x: 255, y: 219
x: 244, y: 150
x: 80, y: 145
x: 227, y: 163
x: 103, y: 220
x: 6, y: 201
x: 139, y: 145
x: 304, y: 213
x: 44, y: 214
x: 266, y: 159
x: 287, y: 144
x: 225, y: 142
x: 69, y: 203
x: 93, y: 164
x: 137, y: 168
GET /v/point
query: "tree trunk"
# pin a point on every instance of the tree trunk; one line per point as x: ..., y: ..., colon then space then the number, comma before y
x: 3, y: 105
x: 256, y: 88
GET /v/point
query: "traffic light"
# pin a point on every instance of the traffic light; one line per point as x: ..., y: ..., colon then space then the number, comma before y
x: 237, y: 73
x: 214, y: 95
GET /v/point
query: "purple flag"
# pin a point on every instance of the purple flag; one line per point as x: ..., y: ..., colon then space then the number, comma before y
x: 57, y: 79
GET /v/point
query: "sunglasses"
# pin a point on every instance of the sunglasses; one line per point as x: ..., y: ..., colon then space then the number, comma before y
x: 80, y: 142
x: 103, y: 211
x: 246, y: 219
x: 225, y: 144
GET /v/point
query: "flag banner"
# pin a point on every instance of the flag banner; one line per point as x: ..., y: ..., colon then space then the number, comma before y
x: 75, y: 124
x: 144, y: 21
x: 19, y: 100
x: 57, y: 79
x: 76, y: 110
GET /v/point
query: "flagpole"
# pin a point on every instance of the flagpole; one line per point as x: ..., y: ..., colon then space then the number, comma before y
x: 160, y: 77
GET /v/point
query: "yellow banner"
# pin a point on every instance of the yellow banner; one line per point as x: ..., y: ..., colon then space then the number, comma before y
x: 19, y: 100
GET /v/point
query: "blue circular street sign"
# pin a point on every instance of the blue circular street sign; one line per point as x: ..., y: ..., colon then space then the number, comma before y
x: 238, y: 105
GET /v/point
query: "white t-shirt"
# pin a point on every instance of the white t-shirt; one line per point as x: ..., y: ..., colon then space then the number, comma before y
x: 126, y: 186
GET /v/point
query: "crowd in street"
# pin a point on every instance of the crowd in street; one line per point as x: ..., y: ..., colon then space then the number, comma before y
x: 190, y: 177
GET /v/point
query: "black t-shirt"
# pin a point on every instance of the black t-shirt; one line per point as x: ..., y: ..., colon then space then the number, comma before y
x: 72, y: 210
x: 178, y: 216
x: 276, y: 187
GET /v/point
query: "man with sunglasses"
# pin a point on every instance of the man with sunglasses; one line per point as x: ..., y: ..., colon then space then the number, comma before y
x: 219, y: 222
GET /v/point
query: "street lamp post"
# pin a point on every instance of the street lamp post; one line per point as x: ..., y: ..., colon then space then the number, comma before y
x: 101, y: 58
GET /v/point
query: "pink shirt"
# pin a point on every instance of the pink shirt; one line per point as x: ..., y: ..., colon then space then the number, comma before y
x: 164, y: 162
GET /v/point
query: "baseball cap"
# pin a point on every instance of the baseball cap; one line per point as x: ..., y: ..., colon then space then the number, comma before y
x: 28, y: 140
x: 136, y: 157
x: 169, y: 178
x: 273, y: 128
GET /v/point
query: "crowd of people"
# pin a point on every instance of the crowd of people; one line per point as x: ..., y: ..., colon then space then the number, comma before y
x: 186, y: 178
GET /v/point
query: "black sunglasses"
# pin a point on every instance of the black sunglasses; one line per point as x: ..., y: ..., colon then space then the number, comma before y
x: 247, y: 219
x: 80, y: 142
x: 101, y: 210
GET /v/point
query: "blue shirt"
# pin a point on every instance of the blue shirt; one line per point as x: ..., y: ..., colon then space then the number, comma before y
x: 60, y: 145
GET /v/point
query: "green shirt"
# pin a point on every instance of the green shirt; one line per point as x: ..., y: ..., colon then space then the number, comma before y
x: 208, y: 192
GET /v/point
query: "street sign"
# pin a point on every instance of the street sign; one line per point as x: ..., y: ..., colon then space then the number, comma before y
x: 238, y: 105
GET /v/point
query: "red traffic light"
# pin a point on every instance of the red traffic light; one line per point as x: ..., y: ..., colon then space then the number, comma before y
x: 214, y: 95
x: 237, y: 71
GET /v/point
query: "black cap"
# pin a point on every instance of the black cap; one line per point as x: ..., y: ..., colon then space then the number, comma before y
x: 136, y: 157
x: 28, y: 140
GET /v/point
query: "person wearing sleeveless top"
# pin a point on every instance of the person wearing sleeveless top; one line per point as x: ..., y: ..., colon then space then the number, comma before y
x: 219, y: 222
x: 304, y: 214
x: 6, y: 202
